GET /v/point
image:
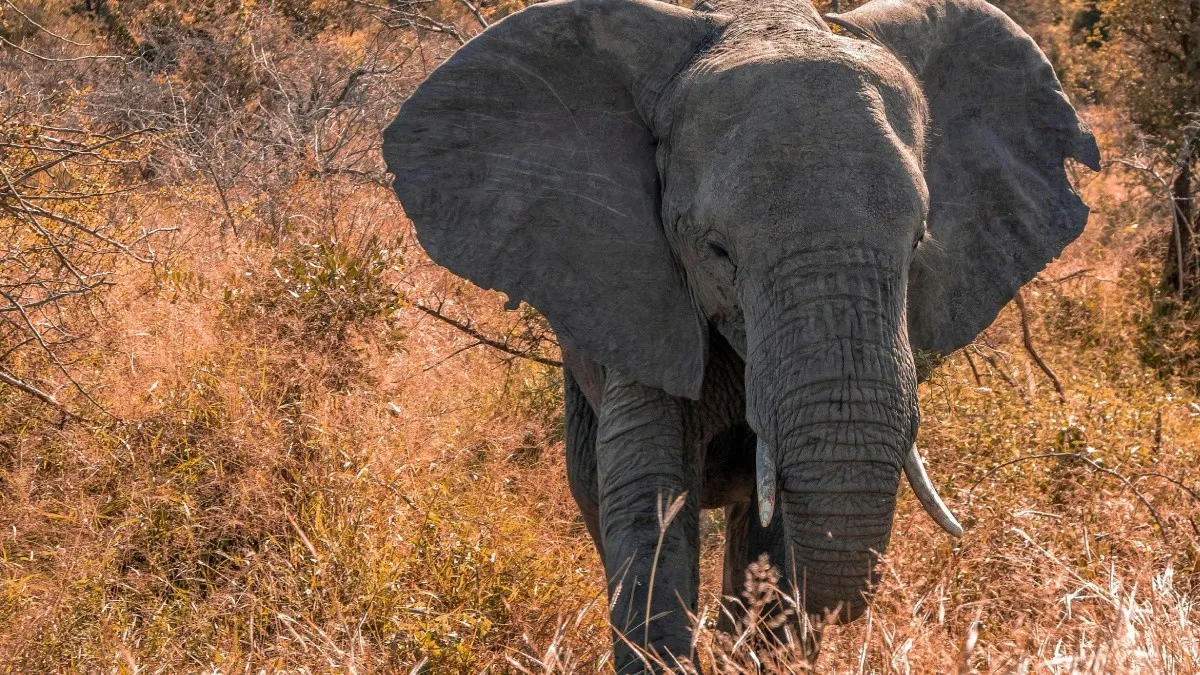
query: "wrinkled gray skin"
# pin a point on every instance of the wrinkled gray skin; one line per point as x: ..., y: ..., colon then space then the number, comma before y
x: 743, y: 226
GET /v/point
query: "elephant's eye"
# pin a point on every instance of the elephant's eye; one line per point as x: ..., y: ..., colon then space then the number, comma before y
x: 920, y: 238
x: 718, y: 250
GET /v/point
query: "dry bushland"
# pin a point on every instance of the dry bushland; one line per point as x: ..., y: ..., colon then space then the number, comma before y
x: 261, y: 446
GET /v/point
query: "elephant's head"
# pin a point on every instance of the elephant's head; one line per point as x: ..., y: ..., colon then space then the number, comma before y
x: 832, y: 204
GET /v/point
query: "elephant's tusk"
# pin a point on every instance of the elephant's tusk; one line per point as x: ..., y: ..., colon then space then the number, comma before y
x: 914, y: 469
x: 765, y: 461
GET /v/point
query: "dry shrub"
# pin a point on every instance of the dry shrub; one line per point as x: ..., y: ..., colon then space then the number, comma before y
x: 1171, y: 338
x: 249, y: 509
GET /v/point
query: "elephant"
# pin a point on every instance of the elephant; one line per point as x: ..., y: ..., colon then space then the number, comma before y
x: 754, y: 230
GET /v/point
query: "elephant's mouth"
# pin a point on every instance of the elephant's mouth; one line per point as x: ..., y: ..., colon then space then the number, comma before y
x: 914, y: 471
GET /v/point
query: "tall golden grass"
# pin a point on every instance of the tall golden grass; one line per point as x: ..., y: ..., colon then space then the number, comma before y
x: 293, y: 469
x: 303, y: 473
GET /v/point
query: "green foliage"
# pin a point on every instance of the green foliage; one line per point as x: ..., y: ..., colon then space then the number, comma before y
x: 1171, y: 338
x: 1154, y: 57
x: 319, y: 292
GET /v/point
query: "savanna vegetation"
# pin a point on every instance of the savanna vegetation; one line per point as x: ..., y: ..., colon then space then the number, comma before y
x: 247, y: 426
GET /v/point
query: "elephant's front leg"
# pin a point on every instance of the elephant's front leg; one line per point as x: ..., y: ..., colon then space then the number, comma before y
x: 653, y: 566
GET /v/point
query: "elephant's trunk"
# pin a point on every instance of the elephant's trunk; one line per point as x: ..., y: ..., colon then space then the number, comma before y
x: 831, y: 390
x: 838, y: 516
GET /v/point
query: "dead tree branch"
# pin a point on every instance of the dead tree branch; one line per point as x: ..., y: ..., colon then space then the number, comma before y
x: 51, y: 59
x: 1086, y: 271
x: 476, y: 13
x: 63, y: 242
x: 1027, y: 337
x: 1095, y: 466
x: 994, y: 364
x: 1179, y: 166
x: 20, y: 385
x: 406, y: 14
x: 43, y: 29
x: 974, y: 370
x: 482, y: 339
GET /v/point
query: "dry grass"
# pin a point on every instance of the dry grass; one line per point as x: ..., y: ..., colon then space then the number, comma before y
x: 279, y: 496
x: 300, y: 472
x: 304, y: 479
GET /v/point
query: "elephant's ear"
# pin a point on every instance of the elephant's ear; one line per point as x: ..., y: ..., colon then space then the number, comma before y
x: 1001, y: 206
x: 527, y: 164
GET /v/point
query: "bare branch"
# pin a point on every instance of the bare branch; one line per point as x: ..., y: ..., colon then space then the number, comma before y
x: 484, y: 339
x: 69, y: 59
x: 1066, y: 277
x: 1180, y: 167
x: 1027, y: 338
x: 994, y: 364
x: 62, y: 241
x: 1095, y: 466
x: 406, y: 15
x: 974, y: 370
x: 43, y: 29
x: 475, y: 12
x: 33, y: 391
x: 69, y: 154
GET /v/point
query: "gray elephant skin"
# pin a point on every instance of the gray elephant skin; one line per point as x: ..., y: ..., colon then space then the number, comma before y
x: 743, y: 225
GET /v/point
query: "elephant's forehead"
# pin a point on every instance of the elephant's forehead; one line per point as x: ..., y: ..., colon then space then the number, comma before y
x: 813, y: 124
x: 813, y: 83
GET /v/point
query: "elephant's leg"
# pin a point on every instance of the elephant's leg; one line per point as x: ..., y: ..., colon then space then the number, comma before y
x: 653, y: 574
x: 581, y: 456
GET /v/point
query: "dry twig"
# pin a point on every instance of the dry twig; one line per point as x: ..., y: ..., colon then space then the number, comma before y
x: 482, y: 339
x: 1027, y: 338
x: 1095, y: 466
